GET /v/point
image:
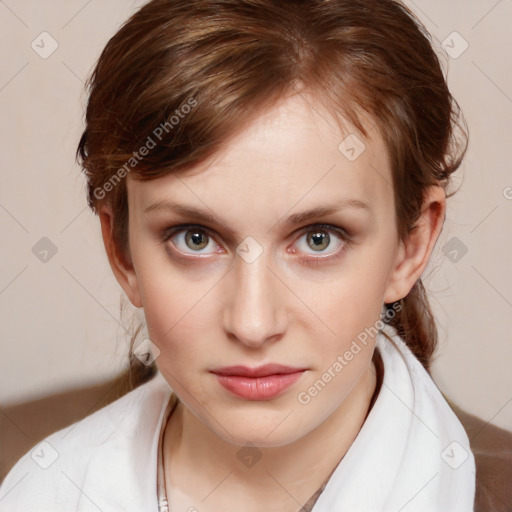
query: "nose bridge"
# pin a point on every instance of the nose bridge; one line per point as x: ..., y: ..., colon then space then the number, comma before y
x: 254, y: 312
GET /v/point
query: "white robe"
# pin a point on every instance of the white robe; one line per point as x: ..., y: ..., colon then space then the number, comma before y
x: 412, y: 453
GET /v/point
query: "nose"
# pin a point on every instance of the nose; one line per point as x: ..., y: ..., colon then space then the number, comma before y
x: 254, y: 313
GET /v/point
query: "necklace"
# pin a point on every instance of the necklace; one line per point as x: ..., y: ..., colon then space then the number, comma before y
x: 163, y: 503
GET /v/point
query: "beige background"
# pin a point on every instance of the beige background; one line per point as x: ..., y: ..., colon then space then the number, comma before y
x: 60, y: 323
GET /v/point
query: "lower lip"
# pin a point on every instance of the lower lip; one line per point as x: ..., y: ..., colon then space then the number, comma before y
x: 258, y: 388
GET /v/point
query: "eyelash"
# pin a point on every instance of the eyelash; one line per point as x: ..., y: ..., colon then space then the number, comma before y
x: 346, y: 237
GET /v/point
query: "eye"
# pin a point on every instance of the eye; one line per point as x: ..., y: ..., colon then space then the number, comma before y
x: 196, y: 240
x: 191, y: 239
x: 320, y: 237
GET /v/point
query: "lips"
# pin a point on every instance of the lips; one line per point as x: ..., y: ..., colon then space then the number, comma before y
x: 260, y: 383
x: 260, y: 371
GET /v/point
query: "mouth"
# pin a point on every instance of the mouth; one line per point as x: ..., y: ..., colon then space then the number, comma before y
x: 260, y: 383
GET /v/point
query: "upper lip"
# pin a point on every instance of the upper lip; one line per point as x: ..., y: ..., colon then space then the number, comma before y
x: 259, y: 371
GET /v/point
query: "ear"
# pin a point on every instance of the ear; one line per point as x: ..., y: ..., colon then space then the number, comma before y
x: 123, y: 270
x: 414, y: 252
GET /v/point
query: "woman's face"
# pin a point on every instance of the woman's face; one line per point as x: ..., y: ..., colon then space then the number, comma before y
x: 231, y: 270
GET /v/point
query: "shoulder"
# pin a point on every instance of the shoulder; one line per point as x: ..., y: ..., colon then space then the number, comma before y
x: 492, y: 448
x: 95, y: 462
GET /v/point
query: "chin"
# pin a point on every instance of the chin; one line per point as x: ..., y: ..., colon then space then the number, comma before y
x: 252, y: 429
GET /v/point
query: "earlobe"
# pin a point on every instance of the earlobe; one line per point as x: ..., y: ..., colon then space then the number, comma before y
x: 414, y: 252
x: 393, y: 288
x: 123, y: 271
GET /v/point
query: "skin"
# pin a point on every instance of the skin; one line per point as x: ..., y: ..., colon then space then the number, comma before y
x: 216, y: 309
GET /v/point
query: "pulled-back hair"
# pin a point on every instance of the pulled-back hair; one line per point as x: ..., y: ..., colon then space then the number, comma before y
x: 181, y: 77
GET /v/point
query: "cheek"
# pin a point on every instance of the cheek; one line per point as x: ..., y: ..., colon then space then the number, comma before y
x: 351, y: 310
x: 349, y: 306
x: 350, y: 303
x: 174, y: 319
x: 179, y: 318
x: 179, y: 330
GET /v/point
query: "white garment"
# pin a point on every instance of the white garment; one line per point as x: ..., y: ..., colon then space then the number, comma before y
x: 411, y: 455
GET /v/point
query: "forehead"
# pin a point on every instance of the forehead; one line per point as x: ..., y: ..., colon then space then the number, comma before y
x: 293, y: 156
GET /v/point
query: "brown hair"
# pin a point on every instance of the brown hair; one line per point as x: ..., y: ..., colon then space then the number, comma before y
x: 182, y: 76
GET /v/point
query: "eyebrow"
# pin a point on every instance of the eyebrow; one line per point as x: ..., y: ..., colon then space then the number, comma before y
x: 293, y: 219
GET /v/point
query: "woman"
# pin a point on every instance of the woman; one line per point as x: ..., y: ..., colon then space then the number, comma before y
x: 270, y: 178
